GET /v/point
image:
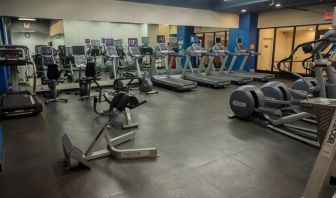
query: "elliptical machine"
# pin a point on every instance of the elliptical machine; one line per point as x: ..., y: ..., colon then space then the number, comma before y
x: 262, y: 105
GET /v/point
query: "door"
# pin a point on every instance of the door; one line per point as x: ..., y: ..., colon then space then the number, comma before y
x: 266, y: 50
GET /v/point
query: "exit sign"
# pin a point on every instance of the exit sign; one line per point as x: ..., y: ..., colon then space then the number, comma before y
x: 26, y: 26
x: 328, y: 15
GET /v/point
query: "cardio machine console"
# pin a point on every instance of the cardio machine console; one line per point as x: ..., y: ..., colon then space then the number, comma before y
x: 14, y: 55
x: 47, y: 55
x: 163, y: 48
x: 220, y: 49
x: 111, y: 51
x: 134, y: 51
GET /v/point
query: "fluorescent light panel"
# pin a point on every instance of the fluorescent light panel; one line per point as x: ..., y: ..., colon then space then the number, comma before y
x: 26, y: 19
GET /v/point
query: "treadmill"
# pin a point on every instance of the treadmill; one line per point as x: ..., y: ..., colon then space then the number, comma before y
x: 222, y: 52
x: 161, y: 51
x: 16, y: 102
x: 242, y: 51
x: 209, y: 81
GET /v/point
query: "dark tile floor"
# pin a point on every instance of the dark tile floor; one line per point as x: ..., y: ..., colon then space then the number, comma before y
x: 202, y: 153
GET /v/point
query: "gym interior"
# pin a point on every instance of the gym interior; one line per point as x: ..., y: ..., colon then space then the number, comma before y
x: 167, y: 99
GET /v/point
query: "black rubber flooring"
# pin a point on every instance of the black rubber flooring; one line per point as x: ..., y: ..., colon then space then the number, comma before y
x: 203, y: 154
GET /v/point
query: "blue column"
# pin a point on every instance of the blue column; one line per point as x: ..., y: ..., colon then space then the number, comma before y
x: 248, y: 31
x: 184, y: 34
x: 3, y: 70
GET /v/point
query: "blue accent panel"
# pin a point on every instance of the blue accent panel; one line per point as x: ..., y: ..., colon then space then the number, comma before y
x: 185, y: 33
x: 1, y: 148
x: 233, y: 36
x: 9, y: 37
x: 3, y: 70
x: 248, y: 31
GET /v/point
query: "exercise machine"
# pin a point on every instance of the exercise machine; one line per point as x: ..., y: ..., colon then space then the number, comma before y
x: 161, y: 51
x: 53, y: 75
x: 47, y: 55
x: 112, y: 56
x: 75, y: 157
x: 218, y: 50
x: 17, y: 102
x: 145, y: 84
x: 67, y: 60
x: 197, y: 52
x: 146, y: 51
x: 322, y: 180
x: 119, y: 85
x: 108, y: 97
x: 246, y: 53
x: 249, y: 102
x: 94, y: 53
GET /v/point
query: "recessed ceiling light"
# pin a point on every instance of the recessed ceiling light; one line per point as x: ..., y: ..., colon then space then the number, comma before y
x: 26, y: 19
x: 278, y: 5
x: 330, y: 28
x: 243, y: 10
x: 311, y: 29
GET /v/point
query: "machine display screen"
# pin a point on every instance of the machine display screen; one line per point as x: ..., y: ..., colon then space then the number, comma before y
x: 145, y: 40
x: 133, y: 42
x: 112, y: 51
x: 47, y: 51
x: 78, y: 50
x: 68, y: 51
x: 195, y: 39
x: 87, y: 41
x: 161, y: 39
x: 109, y: 42
x: 163, y: 47
x: 95, y: 43
x: 134, y: 50
x: 220, y: 47
x: 118, y: 43
x: 196, y: 47
x: 239, y: 40
x: 38, y: 48
x: 11, y: 54
x: 173, y: 40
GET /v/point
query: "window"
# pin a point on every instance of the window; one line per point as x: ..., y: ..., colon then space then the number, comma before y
x: 266, y: 40
x: 283, y: 45
x: 302, y: 34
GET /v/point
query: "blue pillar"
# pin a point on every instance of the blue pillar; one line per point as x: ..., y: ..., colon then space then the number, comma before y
x: 184, y: 34
x: 248, y: 31
x: 3, y: 70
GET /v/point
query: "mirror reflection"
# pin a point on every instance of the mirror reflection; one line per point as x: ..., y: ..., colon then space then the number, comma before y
x: 73, y: 44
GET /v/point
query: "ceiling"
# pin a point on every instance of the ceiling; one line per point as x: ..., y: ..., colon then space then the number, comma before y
x: 234, y: 6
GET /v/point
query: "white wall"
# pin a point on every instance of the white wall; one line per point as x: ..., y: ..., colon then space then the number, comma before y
x: 76, y: 31
x: 291, y: 17
x: 117, y: 11
x: 36, y: 38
